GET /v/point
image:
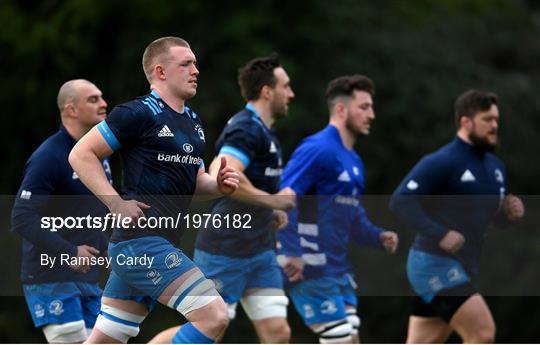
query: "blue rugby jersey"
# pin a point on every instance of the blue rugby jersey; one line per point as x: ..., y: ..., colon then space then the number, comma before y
x: 161, y: 154
x: 458, y: 187
x: 247, y: 138
x: 328, y: 179
x: 49, y: 188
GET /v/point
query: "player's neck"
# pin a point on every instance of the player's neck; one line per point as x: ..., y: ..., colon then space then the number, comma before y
x: 347, y: 137
x: 463, y: 136
x: 74, y: 130
x: 176, y: 103
x: 264, y: 112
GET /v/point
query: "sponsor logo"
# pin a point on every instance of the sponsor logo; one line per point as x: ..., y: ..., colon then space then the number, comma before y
x: 172, y: 260
x: 347, y: 200
x: 187, y: 147
x: 499, y: 176
x: 26, y: 194
x: 107, y: 167
x: 39, y: 311
x: 467, y: 176
x: 328, y: 307
x: 454, y: 274
x: 435, y: 283
x: 165, y: 132
x: 200, y: 132
x: 56, y: 307
x: 74, y: 176
x: 272, y: 172
x: 356, y: 171
x: 177, y: 158
x: 273, y: 148
x: 308, y: 311
x: 412, y: 185
x: 154, y: 276
x: 344, y: 177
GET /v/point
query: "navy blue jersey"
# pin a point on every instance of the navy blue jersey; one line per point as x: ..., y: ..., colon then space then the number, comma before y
x: 47, y: 190
x: 328, y: 179
x: 161, y: 154
x: 247, y: 138
x: 458, y: 187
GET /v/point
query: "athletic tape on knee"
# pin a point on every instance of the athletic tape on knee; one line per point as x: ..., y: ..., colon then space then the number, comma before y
x: 337, y: 332
x: 189, y: 334
x: 231, y: 311
x: 354, y: 320
x: 65, y: 333
x: 173, y: 302
x: 265, y: 303
x: 118, y: 324
x: 199, y: 294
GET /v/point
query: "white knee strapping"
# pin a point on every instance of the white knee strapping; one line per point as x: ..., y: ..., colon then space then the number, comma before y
x: 265, y: 303
x: 201, y: 295
x: 337, y: 332
x: 354, y: 320
x: 65, y: 333
x: 231, y: 311
x: 118, y: 324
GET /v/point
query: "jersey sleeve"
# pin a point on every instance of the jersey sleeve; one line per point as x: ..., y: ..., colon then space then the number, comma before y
x: 427, y: 178
x: 124, y: 126
x: 242, y: 141
x: 363, y: 231
x: 302, y: 173
x: 41, y: 175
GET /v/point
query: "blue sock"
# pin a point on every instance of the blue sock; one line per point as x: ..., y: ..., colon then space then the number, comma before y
x: 188, y: 334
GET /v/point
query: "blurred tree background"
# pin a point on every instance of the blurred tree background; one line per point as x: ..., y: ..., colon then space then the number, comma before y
x: 421, y: 55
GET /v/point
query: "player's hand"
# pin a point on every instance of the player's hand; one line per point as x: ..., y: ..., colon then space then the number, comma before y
x: 513, y: 207
x: 227, y: 178
x: 284, y: 200
x: 280, y: 219
x: 131, y: 209
x: 84, y: 251
x: 452, y: 242
x: 389, y: 241
x: 293, y: 266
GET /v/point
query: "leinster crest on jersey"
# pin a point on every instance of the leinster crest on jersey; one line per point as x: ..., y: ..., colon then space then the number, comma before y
x: 200, y: 132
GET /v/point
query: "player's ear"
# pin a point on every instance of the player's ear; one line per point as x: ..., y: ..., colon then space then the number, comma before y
x: 70, y: 110
x: 266, y: 91
x: 340, y: 109
x: 466, y: 123
x: 160, y: 72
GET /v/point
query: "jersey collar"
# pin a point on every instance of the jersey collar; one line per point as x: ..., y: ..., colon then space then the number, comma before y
x: 256, y: 116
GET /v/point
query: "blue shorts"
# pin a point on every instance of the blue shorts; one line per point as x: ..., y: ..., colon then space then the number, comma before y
x: 324, y: 299
x: 158, y: 264
x: 232, y: 276
x: 57, y: 303
x: 429, y: 274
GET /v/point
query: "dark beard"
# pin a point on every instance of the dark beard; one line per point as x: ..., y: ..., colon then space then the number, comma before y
x: 481, y: 144
x: 350, y: 128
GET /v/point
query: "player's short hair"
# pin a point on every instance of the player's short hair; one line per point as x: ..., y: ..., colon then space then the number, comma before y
x: 257, y: 73
x: 471, y: 102
x: 345, y: 86
x: 156, y: 49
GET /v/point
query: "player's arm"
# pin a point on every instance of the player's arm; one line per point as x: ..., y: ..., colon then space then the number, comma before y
x: 513, y: 207
x: 246, y: 191
x: 304, y: 172
x: 423, y: 181
x: 85, y: 158
x: 224, y: 182
x: 364, y: 232
x: 41, y: 175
